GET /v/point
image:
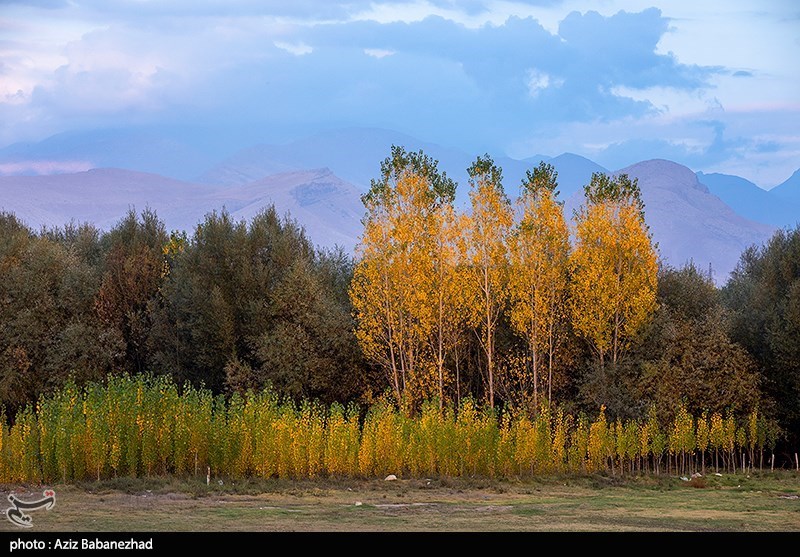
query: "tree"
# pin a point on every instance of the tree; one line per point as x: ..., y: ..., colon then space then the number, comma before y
x: 763, y: 296
x: 131, y: 278
x: 249, y: 304
x: 686, y: 353
x: 487, y: 232
x: 539, y: 252
x: 397, y: 292
x: 49, y: 330
x: 445, y: 286
x: 613, y: 265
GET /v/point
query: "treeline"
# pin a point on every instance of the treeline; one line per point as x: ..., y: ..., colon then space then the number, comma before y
x: 512, y: 306
x: 235, y: 306
x: 133, y: 426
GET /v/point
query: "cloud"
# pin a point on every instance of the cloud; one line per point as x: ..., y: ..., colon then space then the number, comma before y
x: 464, y: 74
x: 298, y: 49
x: 539, y: 81
x: 39, y: 167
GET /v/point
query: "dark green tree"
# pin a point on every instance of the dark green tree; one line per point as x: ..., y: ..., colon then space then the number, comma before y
x: 244, y: 305
x: 763, y: 296
x: 132, y: 270
x: 49, y: 330
x: 689, y: 356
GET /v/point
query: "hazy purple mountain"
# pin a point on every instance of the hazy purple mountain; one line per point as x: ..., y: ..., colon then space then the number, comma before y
x: 326, y: 206
x: 790, y: 189
x: 753, y: 202
x: 574, y: 172
x: 180, y: 154
x: 329, y: 208
x: 355, y: 155
x: 101, y: 196
x: 688, y: 220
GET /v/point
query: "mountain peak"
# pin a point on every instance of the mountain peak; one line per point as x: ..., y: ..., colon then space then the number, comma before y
x: 671, y: 174
x: 790, y: 189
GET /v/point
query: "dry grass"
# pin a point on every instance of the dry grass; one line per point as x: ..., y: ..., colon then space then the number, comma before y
x: 596, y: 503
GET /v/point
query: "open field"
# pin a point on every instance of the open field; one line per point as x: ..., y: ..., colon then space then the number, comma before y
x: 761, y: 502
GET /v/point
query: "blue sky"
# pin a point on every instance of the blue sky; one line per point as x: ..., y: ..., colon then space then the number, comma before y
x: 714, y: 85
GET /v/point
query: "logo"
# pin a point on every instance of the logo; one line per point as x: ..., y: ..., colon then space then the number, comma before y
x: 16, y: 512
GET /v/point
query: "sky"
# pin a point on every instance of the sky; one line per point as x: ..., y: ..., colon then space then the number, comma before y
x: 713, y: 85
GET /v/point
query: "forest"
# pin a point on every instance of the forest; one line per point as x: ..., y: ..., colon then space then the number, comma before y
x: 527, y: 339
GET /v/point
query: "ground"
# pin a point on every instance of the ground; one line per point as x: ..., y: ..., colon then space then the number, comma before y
x: 758, y: 502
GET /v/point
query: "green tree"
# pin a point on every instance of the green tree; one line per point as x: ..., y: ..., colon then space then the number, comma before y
x: 49, y: 330
x: 763, y: 296
x: 132, y: 272
x: 247, y: 304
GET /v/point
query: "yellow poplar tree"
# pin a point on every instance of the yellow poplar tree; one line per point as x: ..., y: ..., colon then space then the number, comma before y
x: 613, y: 265
x: 391, y: 287
x: 539, y: 252
x: 445, y: 287
x: 488, y: 227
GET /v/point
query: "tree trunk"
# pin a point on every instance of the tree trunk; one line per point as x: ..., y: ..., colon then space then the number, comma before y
x: 551, y: 348
x: 616, y: 339
x: 440, y: 354
x: 489, y: 337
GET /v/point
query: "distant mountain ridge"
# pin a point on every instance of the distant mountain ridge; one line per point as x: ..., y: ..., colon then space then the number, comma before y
x: 706, y: 218
x: 328, y: 207
x: 789, y: 189
x: 689, y: 222
x: 776, y: 207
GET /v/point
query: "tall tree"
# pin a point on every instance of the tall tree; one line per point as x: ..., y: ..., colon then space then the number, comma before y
x: 445, y: 285
x: 49, y: 330
x: 614, y: 267
x: 487, y: 233
x: 539, y: 252
x: 687, y: 355
x: 398, y: 268
x: 763, y: 296
x: 132, y: 276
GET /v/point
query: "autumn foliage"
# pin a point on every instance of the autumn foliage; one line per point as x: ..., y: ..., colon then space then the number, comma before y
x: 144, y: 426
x: 507, y: 339
x: 426, y: 278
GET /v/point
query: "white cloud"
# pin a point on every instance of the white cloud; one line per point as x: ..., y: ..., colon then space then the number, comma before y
x: 378, y: 52
x: 43, y: 167
x: 671, y: 102
x: 538, y: 81
x: 298, y: 49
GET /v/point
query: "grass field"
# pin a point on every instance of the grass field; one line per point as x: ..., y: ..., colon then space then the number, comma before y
x: 761, y: 502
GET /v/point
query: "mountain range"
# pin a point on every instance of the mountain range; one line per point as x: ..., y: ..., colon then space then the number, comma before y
x: 318, y: 180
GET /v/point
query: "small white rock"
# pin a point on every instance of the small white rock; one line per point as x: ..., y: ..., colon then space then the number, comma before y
x: 359, y: 503
x: 390, y: 478
x: 697, y: 475
x: 684, y: 478
x: 717, y: 474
